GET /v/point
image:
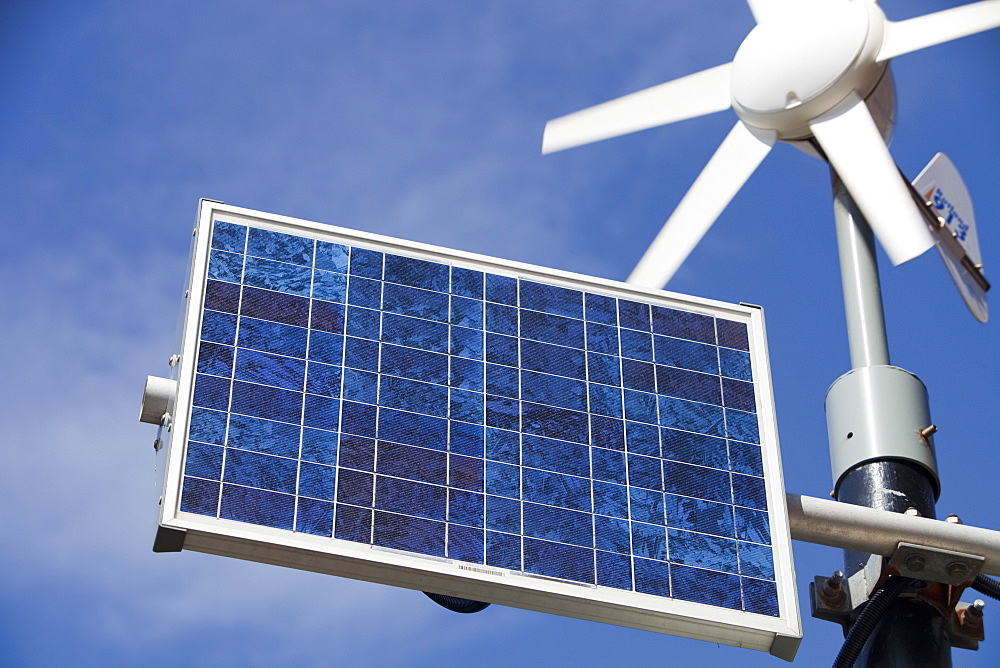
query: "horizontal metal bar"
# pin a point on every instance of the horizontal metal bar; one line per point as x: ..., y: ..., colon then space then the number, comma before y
x: 873, y: 531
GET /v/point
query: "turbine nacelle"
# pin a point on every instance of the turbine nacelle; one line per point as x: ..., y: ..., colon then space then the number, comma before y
x: 799, y: 65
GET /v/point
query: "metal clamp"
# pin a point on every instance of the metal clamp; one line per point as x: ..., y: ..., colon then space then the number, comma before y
x: 942, y: 576
x: 935, y: 565
x: 830, y: 599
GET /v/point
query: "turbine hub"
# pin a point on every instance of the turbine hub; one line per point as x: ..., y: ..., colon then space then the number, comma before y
x: 796, y: 67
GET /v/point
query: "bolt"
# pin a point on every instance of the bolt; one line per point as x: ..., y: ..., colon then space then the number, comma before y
x: 953, y: 519
x: 913, y: 512
x: 915, y: 562
x: 972, y: 617
x: 957, y: 569
x: 832, y: 592
x: 928, y: 431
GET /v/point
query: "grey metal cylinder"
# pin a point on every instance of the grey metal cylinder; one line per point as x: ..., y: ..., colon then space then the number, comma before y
x: 876, y: 413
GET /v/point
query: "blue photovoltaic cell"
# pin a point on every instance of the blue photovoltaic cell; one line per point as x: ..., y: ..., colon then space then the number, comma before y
x: 395, y: 401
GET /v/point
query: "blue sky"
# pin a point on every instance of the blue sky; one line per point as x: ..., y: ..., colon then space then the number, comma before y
x: 420, y: 120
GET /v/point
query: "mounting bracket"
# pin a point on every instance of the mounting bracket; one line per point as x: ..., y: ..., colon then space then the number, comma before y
x: 935, y: 565
x: 942, y: 574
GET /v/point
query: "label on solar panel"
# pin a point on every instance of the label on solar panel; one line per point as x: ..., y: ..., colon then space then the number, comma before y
x: 391, y: 411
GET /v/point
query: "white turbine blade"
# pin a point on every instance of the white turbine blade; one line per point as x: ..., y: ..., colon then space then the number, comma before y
x: 705, y: 92
x: 855, y: 148
x: 924, y: 31
x: 759, y: 8
x: 764, y: 9
x: 733, y: 163
x: 771, y: 9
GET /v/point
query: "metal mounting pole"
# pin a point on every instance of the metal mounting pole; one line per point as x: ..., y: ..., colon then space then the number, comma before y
x: 862, y: 288
x: 880, y: 443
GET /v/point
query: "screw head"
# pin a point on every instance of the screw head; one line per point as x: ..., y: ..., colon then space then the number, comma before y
x: 915, y: 562
x: 957, y: 569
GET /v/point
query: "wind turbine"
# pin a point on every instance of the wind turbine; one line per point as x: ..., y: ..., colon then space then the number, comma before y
x: 812, y: 73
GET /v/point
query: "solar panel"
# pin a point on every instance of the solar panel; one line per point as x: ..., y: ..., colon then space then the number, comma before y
x: 368, y: 407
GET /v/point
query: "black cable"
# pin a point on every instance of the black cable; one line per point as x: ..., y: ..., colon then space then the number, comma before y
x: 456, y: 604
x: 988, y: 586
x: 861, y: 630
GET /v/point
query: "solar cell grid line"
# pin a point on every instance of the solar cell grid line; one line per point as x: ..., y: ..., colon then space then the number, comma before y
x: 371, y: 393
x: 358, y: 293
x: 628, y: 497
x: 242, y: 247
x: 304, y: 385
